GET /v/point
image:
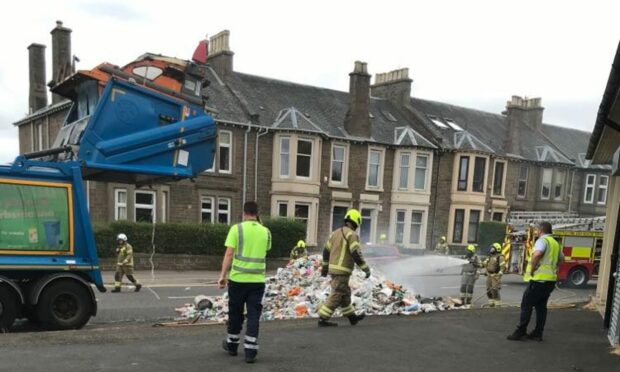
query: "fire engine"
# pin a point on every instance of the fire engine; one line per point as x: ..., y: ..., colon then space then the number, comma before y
x: 582, y: 253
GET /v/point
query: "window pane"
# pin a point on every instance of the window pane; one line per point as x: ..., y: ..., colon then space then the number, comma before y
x: 224, y: 138
x: 498, y: 216
x: 474, y: 219
x: 223, y: 211
x: 559, y: 184
x: 459, y: 218
x: 404, y: 171
x: 479, y: 168
x: 498, y: 179
x: 416, y: 227
x: 284, y: 156
x: 122, y: 196
x: 301, y: 214
x: 463, y: 169
x: 122, y: 213
x: 400, y: 226
x: 365, y: 229
x: 304, y: 156
x: 206, y: 210
x: 602, y: 181
x: 420, y: 172
x: 373, y: 168
x: 338, y: 216
x: 144, y: 215
x: 224, y: 159
x: 144, y: 198
x: 282, y: 210
x: 545, y: 192
x: 337, y: 163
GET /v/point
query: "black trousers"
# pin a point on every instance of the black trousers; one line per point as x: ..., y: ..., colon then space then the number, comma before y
x: 535, y: 296
x: 240, y: 296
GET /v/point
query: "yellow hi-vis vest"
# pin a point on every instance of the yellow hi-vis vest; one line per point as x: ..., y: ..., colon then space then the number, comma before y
x: 548, y: 268
x: 251, y: 241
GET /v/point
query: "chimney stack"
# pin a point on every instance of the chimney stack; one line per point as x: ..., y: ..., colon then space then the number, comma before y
x: 37, y: 97
x: 521, y: 112
x: 220, y: 56
x: 394, y: 86
x: 357, y: 121
x: 61, y: 56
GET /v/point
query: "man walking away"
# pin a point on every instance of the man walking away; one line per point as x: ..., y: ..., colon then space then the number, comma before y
x: 124, y: 264
x: 246, y: 248
x: 541, y: 273
x: 469, y: 274
x: 340, y: 254
x: 495, y: 267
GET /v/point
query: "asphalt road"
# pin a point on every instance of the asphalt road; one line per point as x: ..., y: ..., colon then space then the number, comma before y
x: 465, y: 340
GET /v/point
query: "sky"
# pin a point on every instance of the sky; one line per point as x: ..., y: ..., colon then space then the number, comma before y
x: 472, y: 53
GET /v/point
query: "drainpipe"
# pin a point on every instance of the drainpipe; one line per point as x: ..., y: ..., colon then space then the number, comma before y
x: 245, y: 160
x: 258, y: 135
x: 570, y: 196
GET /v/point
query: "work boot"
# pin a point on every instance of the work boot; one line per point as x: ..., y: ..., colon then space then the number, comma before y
x: 326, y: 323
x: 354, y: 319
x: 138, y: 286
x: 534, y: 336
x: 518, y: 335
x: 250, y: 355
x: 230, y: 348
x: 116, y: 290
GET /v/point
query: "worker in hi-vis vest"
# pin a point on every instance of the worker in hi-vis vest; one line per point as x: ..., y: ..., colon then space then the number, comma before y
x: 541, y: 274
x: 247, y: 244
x: 340, y: 254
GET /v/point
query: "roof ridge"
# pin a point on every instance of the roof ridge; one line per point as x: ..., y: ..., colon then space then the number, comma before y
x: 288, y: 82
x: 460, y: 107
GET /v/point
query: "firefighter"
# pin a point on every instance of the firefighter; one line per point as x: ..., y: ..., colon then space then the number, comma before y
x: 469, y: 274
x: 340, y: 254
x: 124, y: 264
x: 442, y: 247
x: 299, y: 251
x: 495, y: 267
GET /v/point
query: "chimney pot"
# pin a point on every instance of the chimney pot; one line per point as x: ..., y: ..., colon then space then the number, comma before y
x: 220, y: 57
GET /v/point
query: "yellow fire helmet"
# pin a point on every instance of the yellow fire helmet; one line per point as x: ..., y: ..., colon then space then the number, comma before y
x: 471, y: 248
x: 301, y: 244
x: 354, y: 216
x: 443, y: 238
x: 497, y: 247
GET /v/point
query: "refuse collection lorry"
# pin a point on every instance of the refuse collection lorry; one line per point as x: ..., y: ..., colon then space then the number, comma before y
x: 582, y: 253
x: 122, y: 127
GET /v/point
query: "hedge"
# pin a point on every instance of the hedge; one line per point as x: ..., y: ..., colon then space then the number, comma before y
x: 490, y: 232
x: 194, y: 238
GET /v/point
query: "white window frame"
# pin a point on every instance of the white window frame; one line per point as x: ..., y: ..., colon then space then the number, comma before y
x: 286, y: 155
x: 602, y: 188
x: 285, y: 204
x: 229, y: 146
x: 164, y: 205
x: 297, y: 155
x: 402, y: 166
x: 519, y: 180
x: 344, y: 174
x: 400, y: 223
x: 152, y: 207
x: 227, y: 212
x: 468, y: 217
x: 207, y: 210
x: 542, y: 183
x: 503, y: 185
x: 118, y: 204
x: 591, y: 186
x: 379, y: 186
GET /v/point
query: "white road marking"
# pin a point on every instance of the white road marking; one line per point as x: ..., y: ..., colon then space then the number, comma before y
x: 153, y: 292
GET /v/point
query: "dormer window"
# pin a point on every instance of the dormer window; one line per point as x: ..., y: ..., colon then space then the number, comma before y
x: 149, y: 72
x: 437, y: 122
x: 454, y: 125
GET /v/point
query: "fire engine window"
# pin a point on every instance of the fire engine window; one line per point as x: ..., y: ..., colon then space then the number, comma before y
x: 578, y: 241
x: 34, y: 218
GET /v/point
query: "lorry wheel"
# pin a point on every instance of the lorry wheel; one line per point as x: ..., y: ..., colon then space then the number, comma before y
x: 64, y: 305
x: 8, y: 308
x: 577, y: 277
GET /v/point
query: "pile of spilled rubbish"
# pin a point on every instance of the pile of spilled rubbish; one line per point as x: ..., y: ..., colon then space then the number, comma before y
x: 298, y: 290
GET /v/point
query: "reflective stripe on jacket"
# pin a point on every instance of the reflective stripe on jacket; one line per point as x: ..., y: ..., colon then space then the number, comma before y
x: 251, y: 241
x: 548, y: 265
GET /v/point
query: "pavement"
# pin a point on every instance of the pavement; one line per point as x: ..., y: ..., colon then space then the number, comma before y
x: 459, y: 340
